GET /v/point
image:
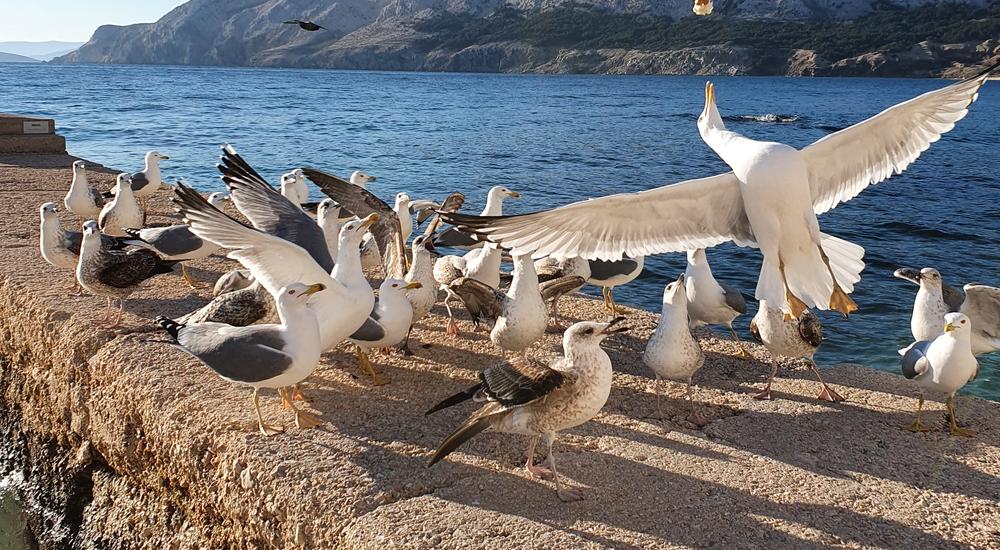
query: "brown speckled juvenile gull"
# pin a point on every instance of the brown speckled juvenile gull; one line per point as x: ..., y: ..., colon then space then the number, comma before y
x: 540, y: 401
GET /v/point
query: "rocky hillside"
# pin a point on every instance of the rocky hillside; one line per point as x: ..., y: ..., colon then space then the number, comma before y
x: 797, y: 37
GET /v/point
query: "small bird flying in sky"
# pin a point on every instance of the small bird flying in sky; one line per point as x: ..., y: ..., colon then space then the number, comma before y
x: 304, y: 25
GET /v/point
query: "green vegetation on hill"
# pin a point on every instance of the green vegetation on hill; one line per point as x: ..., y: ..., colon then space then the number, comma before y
x: 572, y: 25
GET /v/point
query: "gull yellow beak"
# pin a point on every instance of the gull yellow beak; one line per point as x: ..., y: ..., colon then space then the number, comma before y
x: 709, y: 94
x: 414, y: 284
x: 515, y: 195
x: 369, y: 221
x: 314, y: 288
x: 949, y: 327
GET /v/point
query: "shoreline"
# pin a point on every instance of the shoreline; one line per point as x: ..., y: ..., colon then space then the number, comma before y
x: 160, y: 452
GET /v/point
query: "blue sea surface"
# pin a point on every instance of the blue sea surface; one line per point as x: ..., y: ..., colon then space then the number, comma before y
x: 556, y: 139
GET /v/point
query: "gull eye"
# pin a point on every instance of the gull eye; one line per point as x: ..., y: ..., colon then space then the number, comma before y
x: 589, y: 331
x: 290, y: 292
x: 963, y: 321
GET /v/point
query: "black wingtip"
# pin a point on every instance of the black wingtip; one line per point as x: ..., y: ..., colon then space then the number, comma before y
x: 170, y: 326
x: 459, y: 397
x: 464, y: 433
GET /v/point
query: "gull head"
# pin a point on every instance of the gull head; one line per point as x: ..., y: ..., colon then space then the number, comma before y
x: 353, y: 231
x: 710, y: 120
x: 91, y: 229
x: 697, y: 256
x: 423, y: 244
x: 930, y: 276
x: 396, y: 287
x: 215, y: 199
x: 48, y: 211
x: 79, y: 166
x: 361, y: 179
x: 675, y: 294
x: 957, y: 324
x: 501, y: 192
x: 123, y: 181
x: 328, y: 207
x: 402, y: 200
x: 156, y: 156
x: 589, y: 333
x: 298, y: 294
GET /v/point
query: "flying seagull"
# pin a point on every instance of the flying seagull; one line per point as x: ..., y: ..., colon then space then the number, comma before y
x: 304, y: 25
x: 770, y: 201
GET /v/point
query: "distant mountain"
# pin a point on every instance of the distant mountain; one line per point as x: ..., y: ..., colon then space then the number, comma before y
x: 14, y: 58
x: 42, y: 51
x: 801, y: 37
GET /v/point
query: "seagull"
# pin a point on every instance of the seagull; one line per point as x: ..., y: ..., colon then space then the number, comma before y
x: 304, y: 25
x: 483, y: 266
x: 786, y: 336
x: 175, y: 242
x: 270, y: 212
x: 423, y: 297
x: 328, y: 218
x: 356, y: 199
x: 293, y: 187
x: 61, y: 248
x: 261, y: 356
x: 456, y: 238
x: 149, y: 181
x: 276, y: 263
x: 945, y: 364
x: 980, y: 303
x: 558, y: 278
x: 82, y: 199
x: 672, y: 352
x: 239, y: 307
x: 387, y: 324
x: 770, y: 201
x: 519, y: 317
x: 709, y: 302
x: 114, y: 273
x: 402, y: 209
x: 609, y: 274
x: 123, y: 210
x: 539, y: 401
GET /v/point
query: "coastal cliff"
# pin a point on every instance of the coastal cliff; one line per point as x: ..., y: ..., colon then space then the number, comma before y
x: 123, y: 442
x: 795, y: 37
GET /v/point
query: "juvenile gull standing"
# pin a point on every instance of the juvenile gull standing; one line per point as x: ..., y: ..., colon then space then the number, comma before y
x: 149, y: 180
x: 945, y: 364
x: 123, y: 210
x: 540, y: 401
x: 421, y: 271
x: 387, y: 324
x: 980, y: 303
x: 175, y: 242
x: 609, y: 274
x: 709, y: 302
x: 114, y: 274
x: 261, y: 356
x: 672, y: 352
x: 519, y: 317
x: 61, y: 248
x: 770, y: 201
x: 786, y: 336
x: 82, y: 199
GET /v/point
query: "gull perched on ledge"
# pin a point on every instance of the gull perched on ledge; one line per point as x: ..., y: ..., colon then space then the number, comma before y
x: 770, y: 201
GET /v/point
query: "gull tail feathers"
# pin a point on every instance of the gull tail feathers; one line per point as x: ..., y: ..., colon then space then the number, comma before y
x: 807, y: 276
x: 846, y: 259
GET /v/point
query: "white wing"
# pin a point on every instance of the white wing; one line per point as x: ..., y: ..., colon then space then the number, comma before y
x: 687, y: 215
x: 982, y: 306
x: 841, y: 165
x: 271, y: 260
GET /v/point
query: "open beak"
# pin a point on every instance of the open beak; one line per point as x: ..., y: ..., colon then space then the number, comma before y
x: 313, y: 289
x: 949, y: 327
x: 614, y: 327
x: 369, y: 221
x: 414, y: 284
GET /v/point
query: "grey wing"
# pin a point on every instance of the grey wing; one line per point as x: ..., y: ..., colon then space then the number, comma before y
x: 982, y: 306
x: 482, y: 300
x: 97, y: 197
x: 139, y: 180
x: 810, y: 329
x: 455, y: 237
x: 243, y: 354
x: 174, y: 240
x: 423, y: 209
x: 953, y: 297
x: 269, y: 211
x: 72, y: 241
x: 734, y: 299
x: 362, y: 202
x: 556, y: 288
x: 125, y: 269
x: 452, y: 203
x: 372, y: 330
x: 601, y: 270
x: 915, y: 360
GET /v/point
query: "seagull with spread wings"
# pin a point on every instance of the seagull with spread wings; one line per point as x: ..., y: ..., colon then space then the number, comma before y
x: 769, y: 201
x: 387, y: 231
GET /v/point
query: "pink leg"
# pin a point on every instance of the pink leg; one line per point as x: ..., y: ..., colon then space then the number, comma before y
x: 564, y: 494
x: 107, y: 314
x: 536, y: 471
x: 766, y: 394
x: 827, y: 393
x: 695, y: 417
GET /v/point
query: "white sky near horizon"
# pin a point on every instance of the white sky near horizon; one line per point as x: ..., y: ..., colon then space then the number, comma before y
x: 73, y: 20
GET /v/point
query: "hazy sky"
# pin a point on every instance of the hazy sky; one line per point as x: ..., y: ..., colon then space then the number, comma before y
x: 73, y: 20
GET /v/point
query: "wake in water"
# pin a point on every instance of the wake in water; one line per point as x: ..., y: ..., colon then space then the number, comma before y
x: 769, y: 117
